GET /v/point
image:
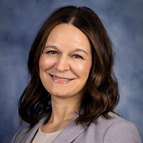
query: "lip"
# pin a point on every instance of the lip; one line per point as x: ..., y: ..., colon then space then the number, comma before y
x: 62, y: 80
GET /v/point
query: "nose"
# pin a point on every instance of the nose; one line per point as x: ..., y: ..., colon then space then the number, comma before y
x: 62, y: 64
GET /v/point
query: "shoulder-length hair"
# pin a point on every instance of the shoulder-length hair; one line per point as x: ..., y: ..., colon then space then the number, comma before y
x: 101, y: 94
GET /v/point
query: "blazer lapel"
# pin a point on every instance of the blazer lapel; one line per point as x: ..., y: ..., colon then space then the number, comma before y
x: 29, y: 135
x: 70, y: 132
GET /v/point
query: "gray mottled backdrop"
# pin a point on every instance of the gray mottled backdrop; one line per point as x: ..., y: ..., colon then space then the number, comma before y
x: 20, y: 21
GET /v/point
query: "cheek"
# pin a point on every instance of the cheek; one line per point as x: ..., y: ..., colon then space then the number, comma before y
x: 45, y: 62
x: 82, y: 69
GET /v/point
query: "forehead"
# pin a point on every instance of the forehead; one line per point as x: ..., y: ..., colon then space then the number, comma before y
x: 67, y: 35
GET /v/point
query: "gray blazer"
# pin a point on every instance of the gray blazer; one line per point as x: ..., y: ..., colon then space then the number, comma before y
x: 115, y: 130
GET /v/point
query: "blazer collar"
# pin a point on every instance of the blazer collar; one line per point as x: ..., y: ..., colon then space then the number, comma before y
x: 30, y: 134
x: 68, y: 134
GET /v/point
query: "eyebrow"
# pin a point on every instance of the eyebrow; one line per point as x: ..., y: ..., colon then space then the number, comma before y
x: 54, y: 47
x: 81, y: 51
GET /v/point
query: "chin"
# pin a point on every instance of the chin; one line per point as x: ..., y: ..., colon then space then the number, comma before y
x: 59, y: 94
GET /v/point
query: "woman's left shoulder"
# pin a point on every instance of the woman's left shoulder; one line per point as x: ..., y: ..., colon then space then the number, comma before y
x: 117, y: 130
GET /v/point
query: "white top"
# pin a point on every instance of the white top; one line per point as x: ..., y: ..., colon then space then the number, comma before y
x: 45, y: 137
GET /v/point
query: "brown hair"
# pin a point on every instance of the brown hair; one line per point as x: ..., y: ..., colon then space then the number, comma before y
x: 101, y: 95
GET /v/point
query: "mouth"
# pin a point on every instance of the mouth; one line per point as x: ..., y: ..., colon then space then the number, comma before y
x: 61, y: 79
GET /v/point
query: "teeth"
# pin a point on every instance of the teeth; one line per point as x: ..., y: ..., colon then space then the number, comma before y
x: 61, y: 78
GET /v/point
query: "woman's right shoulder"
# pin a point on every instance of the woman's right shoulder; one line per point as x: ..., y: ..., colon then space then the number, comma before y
x: 19, y: 135
x: 24, y: 133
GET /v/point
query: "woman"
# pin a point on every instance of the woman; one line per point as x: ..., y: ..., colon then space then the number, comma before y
x: 73, y: 90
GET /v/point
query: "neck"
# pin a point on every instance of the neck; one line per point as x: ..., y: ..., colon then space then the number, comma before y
x: 63, y: 109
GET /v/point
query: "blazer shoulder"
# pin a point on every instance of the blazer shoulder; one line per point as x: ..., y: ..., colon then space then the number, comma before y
x: 25, y: 134
x: 19, y: 135
x: 114, y: 130
x: 120, y: 130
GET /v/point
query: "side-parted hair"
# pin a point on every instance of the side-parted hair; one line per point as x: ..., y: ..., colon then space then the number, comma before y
x: 101, y: 95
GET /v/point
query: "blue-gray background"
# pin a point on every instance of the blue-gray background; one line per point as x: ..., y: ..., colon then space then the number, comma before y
x: 20, y: 21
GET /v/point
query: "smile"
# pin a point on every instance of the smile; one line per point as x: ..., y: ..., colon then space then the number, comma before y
x: 60, y: 79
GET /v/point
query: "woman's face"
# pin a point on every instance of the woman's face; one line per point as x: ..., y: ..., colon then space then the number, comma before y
x: 65, y: 62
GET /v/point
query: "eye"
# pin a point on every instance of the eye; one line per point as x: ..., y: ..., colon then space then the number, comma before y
x: 77, y: 56
x: 51, y: 52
